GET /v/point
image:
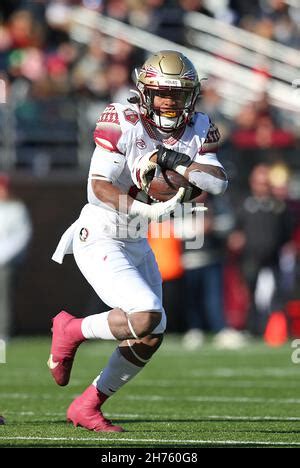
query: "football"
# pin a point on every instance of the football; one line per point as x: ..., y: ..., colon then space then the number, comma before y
x: 165, y: 183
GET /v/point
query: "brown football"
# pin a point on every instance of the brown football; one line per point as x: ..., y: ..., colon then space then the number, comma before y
x: 165, y: 183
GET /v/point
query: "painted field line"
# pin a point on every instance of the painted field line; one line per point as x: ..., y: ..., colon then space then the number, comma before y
x: 172, y: 417
x: 33, y: 396
x: 228, y: 372
x: 159, y: 441
x: 215, y: 399
x: 199, y: 399
x: 63, y: 414
x: 218, y: 383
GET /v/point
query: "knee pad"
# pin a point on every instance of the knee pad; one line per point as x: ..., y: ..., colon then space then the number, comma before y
x: 136, y: 352
x: 144, y: 327
x: 161, y: 327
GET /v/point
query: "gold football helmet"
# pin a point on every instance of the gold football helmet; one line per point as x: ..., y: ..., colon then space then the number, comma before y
x: 168, y: 74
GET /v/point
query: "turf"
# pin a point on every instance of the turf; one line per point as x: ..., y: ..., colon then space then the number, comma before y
x: 204, y: 398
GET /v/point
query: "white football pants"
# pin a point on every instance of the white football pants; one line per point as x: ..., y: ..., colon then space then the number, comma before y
x: 123, y: 273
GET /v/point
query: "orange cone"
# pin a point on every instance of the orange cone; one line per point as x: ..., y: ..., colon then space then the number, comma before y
x: 276, y: 333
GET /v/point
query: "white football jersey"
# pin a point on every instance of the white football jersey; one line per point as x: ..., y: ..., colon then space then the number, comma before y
x: 123, y: 136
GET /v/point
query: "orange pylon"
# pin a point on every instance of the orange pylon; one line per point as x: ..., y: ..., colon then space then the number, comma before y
x: 276, y: 333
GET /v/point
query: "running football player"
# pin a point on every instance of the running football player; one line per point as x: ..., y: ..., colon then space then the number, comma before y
x: 158, y: 126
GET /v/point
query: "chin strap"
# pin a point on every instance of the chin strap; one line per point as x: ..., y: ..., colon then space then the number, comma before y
x: 160, y: 121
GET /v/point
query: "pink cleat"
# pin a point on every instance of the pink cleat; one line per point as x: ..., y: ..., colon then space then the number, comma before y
x: 66, y: 338
x: 85, y: 412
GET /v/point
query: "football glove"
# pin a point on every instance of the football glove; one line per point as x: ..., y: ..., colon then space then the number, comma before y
x: 157, y: 211
x: 143, y: 171
x: 170, y: 159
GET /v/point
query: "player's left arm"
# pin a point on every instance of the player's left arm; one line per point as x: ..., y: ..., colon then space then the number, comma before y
x: 204, y: 171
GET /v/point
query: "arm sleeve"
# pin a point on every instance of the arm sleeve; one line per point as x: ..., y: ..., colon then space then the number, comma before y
x: 106, y: 164
x: 208, y: 158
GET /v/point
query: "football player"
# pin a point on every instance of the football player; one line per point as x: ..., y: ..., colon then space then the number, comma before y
x: 158, y: 126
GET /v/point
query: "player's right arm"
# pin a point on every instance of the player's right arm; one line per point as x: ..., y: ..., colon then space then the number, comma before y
x: 114, y: 197
x: 108, y: 161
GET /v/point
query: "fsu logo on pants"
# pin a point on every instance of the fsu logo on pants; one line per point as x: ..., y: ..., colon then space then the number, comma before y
x: 83, y: 235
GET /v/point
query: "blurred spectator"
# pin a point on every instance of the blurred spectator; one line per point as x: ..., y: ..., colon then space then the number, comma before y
x: 166, y: 20
x: 24, y: 30
x: 117, y: 9
x: 263, y: 227
x: 167, y: 250
x: 296, y: 278
x: 119, y: 83
x: 204, y: 307
x: 195, y: 5
x: 211, y: 104
x: 89, y: 71
x: 278, y: 13
x: 272, y: 19
x: 257, y: 127
x: 243, y: 8
x: 236, y: 293
x: 15, y: 234
x: 279, y: 182
x: 7, y: 7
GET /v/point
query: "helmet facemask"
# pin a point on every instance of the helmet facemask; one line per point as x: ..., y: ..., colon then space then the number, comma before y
x: 171, y: 76
x: 176, y: 111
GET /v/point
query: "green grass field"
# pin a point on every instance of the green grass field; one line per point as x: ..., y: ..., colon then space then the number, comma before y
x: 207, y: 398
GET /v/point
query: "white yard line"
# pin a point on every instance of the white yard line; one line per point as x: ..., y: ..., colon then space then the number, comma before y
x: 157, y: 417
x: 33, y: 396
x: 250, y: 418
x: 213, y: 382
x: 214, y: 399
x: 160, y: 441
x: 228, y: 372
x: 199, y: 399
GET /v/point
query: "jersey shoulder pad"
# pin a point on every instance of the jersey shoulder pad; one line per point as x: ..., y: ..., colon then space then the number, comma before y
x: 213, y: 134
x: 108, y: 130
x: 211, y: 142
x: 200, y: 123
